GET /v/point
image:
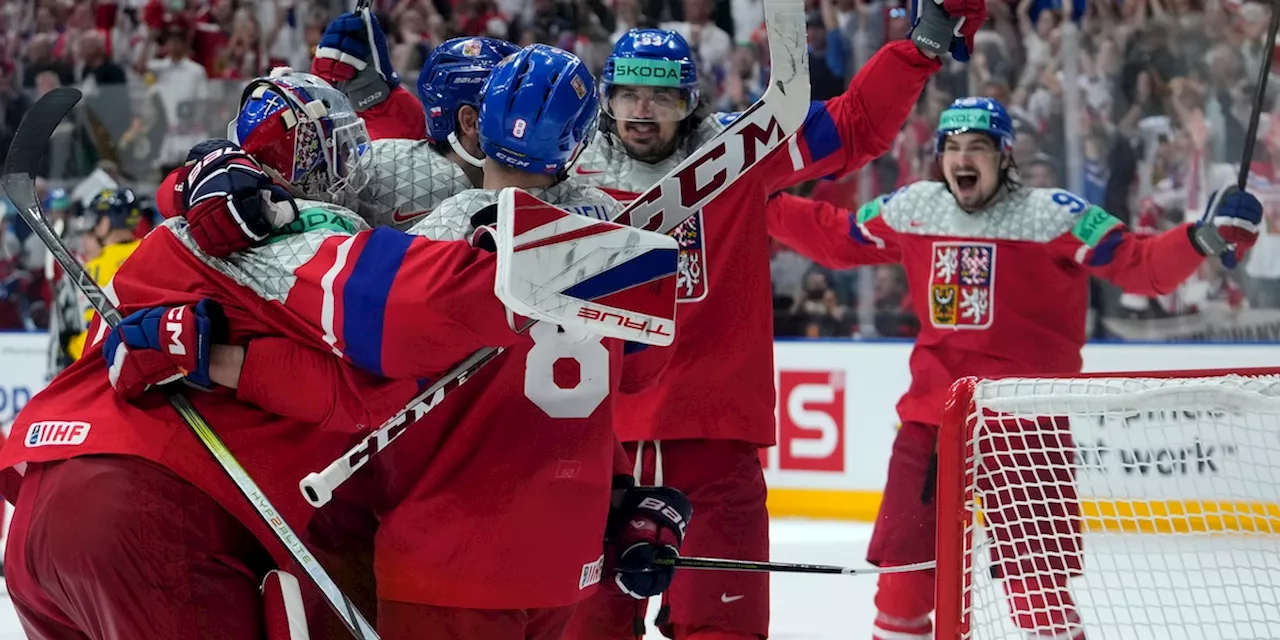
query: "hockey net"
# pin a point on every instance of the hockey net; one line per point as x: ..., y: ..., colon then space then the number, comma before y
x: 1110, y: 507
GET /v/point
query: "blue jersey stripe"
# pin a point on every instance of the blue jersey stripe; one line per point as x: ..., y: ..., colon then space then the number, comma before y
x: 820, y: 133
x: 364, y: 298
x: 1105, y: 251
x: 855, y: 232
x: 643, y: 268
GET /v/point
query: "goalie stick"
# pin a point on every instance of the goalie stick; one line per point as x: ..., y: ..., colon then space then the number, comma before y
x: 721, y: 564
x: 692, y: 185
x: 25, y: 154
x: 677, y: 196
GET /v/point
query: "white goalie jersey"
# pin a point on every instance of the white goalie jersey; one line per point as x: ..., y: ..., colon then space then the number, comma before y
x: 451, y: 220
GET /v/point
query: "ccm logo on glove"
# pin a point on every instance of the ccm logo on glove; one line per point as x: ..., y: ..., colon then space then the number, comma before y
x: 173, y: 325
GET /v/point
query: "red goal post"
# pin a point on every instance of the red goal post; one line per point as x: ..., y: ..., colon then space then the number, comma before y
x: 1100, y: 482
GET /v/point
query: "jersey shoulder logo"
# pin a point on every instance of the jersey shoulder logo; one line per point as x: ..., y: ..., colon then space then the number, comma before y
x: 691, y: 277
x: 962, y: 280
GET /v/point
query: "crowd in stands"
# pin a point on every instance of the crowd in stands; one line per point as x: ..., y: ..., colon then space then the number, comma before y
x: 1161, y: 102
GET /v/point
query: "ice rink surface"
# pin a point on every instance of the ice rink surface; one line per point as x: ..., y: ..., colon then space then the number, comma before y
x: 827, y: 607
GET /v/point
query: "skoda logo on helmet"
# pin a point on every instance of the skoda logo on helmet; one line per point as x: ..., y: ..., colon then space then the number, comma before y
x: 626, y: 69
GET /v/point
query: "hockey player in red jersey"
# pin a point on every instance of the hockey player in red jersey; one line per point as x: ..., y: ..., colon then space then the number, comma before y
x: 998, y: 276
x: 194, y: 551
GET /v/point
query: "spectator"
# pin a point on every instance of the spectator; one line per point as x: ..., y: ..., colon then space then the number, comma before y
x: 712, y: 44
x: 182, y: 86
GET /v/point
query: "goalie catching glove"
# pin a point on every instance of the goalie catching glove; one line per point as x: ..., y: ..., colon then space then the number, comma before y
x: 159, y: 345
x: 229, y: 201
x: 1229, y: 226
x: 645, y: 524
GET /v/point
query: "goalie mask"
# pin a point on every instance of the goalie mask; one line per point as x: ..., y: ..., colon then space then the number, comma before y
x: 305, y: 130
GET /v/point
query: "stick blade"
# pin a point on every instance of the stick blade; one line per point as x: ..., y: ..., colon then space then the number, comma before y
x: 31, y: 141
x: 788, y: 62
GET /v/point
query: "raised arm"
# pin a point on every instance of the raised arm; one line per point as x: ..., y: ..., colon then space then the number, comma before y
x: 833, y: 237
x: 848, y: 131
x: 1154, y: 265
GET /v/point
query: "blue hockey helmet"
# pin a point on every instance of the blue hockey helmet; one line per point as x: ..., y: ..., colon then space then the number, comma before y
x: 539, y: 110
x: 451, y: 77
x: 976, y: 115
x: 655, y: 58
x: 119, y: 206
x: 304, y: 129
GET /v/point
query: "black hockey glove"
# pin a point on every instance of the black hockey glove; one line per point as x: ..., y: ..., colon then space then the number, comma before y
x: 645, y: 524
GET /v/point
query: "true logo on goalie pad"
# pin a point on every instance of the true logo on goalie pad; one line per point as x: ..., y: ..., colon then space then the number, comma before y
x: 591, y: 573
x: 962, y: 284
x: 570, y: 270
x: 41, y: 434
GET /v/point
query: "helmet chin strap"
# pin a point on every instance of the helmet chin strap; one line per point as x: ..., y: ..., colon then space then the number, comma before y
x: 462, y: 152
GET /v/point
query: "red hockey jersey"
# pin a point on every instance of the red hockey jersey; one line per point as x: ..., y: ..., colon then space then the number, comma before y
x: 719, y: 383
x: 999, y: 292
x: 400, y: 306
x: 499, y: 498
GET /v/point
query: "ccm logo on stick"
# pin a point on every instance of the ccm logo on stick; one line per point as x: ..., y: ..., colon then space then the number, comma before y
x: 811, y: 420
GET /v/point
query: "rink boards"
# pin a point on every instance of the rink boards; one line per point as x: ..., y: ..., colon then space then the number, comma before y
x: 1175, y: 473
x: 836, y: 424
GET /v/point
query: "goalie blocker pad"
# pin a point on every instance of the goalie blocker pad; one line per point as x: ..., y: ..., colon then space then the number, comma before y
x: 286, y: 616
x: 605, y: 278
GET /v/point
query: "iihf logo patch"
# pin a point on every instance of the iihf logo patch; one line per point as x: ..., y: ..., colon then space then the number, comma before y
x: 41, y: 434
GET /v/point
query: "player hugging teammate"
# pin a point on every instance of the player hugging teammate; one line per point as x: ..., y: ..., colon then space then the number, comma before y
x: 399, y: 306
x: 999, y: 276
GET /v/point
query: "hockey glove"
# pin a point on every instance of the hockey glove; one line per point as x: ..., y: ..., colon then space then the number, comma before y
x: 970, y: 15
x: 163, y: 344
x: 932, y: 28
x: 353, y: 57
x: 1229, y: 226
x: 645, y: 524
x: 229, y: 201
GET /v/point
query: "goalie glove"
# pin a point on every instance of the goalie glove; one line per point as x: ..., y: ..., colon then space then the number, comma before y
x: 229, y: 201
x: 1229, y: 226
x: 645, y: 524
x: 353, y: 57
x: 159, y: 345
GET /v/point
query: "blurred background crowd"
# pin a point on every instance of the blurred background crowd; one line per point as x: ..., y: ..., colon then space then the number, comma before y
x: 1141, y: 106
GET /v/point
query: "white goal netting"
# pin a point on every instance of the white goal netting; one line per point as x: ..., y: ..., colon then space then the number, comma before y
x: 1114, y: 508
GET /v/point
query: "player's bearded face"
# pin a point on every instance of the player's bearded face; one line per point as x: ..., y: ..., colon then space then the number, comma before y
x: 648, y: 119
x: 971, y: 164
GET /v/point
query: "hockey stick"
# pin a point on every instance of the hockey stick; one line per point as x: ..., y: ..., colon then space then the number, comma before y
x: 1259, y: 94
x: 721, y: 564
x: 25, y: 153
x: 692, y: 185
